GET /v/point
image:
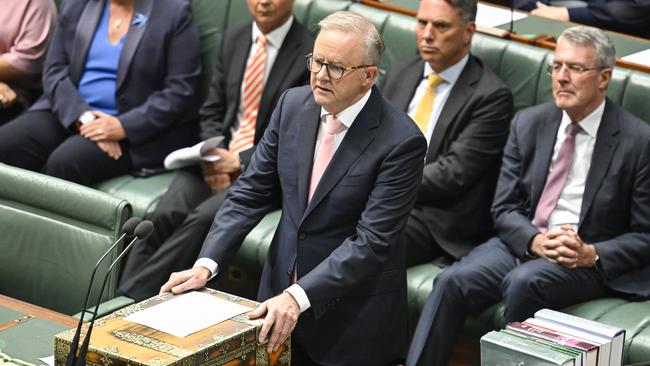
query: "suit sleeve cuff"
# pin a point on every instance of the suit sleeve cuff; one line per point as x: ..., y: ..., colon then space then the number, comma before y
x: 208, y: 263
x: 300, y: 296
x: 583, y: 15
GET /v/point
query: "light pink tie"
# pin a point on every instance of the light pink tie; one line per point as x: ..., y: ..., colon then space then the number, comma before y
x: 325, y: 151
x: 556, y: 179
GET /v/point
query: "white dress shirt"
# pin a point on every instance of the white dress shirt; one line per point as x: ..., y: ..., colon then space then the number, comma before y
x: 347, y: 117
x: 567, y: 210
x: 450, y: 75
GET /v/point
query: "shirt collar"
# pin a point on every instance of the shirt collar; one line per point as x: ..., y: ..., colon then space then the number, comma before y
x: 588, y: 124
x: 349, y: 114
x: 276, y: 36
x: 450, y: 74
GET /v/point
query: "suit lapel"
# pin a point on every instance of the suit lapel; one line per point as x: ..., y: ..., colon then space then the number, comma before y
x: 307, y: 141
x: 411, y: 78
x: 606, y: 143
x: 457, y: 98
x: 283, y: 64
x: 133, y: 38
x: 83, y: 37
x: 354, y: 143
x: 544, y: 144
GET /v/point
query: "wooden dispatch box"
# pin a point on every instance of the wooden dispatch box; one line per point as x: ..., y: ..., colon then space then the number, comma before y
x: 117, y: 342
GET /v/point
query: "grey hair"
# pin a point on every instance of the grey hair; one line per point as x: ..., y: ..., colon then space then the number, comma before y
x: 349, y: 22
x: 592, y: 37
x: 466, y: 9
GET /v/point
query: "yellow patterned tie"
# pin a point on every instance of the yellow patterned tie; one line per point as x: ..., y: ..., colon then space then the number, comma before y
x: 423, y: 112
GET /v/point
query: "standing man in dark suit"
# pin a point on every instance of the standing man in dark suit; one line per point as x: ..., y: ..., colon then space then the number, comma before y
x: 464, y: 111
x: 572, y: 207
x: 185, y: 213
x: 336, y: 261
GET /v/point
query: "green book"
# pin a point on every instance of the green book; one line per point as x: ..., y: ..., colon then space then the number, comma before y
x: 503, y: 348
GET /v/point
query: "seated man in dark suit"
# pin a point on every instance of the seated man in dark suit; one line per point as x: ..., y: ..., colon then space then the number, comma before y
x: 465, y: 117
x: 344, y: 165
x: 626, y: 16
x: 572, y: 207
x: 239, y: 106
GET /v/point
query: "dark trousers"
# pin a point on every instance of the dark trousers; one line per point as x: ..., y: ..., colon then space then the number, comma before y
x: 487, y: 275
x: 38, y: 141
x: 182, y: 220
x: 421, y: 246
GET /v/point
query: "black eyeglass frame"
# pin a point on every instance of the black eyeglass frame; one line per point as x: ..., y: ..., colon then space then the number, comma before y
x: 342, y: 69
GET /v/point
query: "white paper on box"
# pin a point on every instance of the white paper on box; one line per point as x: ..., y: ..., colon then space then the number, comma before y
x: 188, y: 313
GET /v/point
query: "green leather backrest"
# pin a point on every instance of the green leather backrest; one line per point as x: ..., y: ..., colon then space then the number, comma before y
x: 210, y: 17
x: 53, y: 232
x: 635, y: 96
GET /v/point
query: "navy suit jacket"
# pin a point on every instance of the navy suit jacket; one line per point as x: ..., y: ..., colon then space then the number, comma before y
x: 626, y: 16
x: 464, y: 155
x: 615, y: 211
x: 219, y: 112
x: 347, y: 240
x: 157, y: 77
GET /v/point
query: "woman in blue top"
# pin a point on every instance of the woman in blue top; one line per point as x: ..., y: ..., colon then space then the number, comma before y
x: 120, y: 91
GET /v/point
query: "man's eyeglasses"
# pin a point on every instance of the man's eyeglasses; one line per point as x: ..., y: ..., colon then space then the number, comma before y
x: 572, y: 69
x: 334, y: 71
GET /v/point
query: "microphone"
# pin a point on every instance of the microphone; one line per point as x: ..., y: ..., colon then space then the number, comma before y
x: 127, y: 230
x: 141, y: 232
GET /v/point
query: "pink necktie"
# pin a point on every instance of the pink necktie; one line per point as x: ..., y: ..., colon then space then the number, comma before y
x: 244, y: 137
x: 556, y: 179
x: 325, y: 151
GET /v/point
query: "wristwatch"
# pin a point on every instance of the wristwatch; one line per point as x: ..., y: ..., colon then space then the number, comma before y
x: 85, y: 117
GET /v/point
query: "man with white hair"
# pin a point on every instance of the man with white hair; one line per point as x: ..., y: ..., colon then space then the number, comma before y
x: 571, y: 210
x: 344, y: 166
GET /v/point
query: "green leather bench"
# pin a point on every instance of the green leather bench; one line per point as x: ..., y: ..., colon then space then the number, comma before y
x: 53, y: 232
x: 522, y: 69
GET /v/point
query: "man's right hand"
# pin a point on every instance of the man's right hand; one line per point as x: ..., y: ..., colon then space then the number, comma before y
x: 190, y: 279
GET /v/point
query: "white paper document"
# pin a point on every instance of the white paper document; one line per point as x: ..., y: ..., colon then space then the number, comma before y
x: 641, y: 58
x: 194, y: 154
x: 188, y: 313
x: 493, y: 16
x: 49, y: 361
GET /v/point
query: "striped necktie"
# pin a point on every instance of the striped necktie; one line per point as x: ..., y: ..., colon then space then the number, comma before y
x: 244, y: 137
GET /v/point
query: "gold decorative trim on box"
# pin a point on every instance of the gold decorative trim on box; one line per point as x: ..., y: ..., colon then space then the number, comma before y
x: 152, y: 343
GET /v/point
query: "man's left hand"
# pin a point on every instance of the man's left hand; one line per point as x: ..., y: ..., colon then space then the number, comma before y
x: 104, y: 128
x: 551, y: 12
x: 282, y: 314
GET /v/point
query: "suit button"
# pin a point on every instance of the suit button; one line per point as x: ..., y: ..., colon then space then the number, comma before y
x: 301, y: 236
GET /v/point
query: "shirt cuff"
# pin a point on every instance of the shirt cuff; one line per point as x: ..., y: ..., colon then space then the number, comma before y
x: 300, y: 296
x: 208, y: 263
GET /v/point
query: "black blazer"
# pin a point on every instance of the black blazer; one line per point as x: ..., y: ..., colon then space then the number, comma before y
x: 615, y: 212
x: 464, y: 153
x: 347, y: 240
x: 219, y: 112
x: 157, y: 78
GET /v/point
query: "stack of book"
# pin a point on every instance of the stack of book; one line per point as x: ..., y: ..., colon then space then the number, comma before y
x: 554, y: 338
